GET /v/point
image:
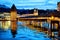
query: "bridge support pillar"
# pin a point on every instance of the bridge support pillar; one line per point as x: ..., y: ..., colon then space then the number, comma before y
x: 33, y: 23
x: 40, y: 24
x: 55, y: 31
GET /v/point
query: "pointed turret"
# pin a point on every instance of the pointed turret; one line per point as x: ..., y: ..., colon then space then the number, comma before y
x: 13, y: 8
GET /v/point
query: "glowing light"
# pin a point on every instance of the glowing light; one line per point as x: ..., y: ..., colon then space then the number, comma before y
x: 52, y: 17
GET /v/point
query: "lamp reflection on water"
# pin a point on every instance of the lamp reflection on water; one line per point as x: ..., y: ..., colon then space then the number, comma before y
x: 6, y: 25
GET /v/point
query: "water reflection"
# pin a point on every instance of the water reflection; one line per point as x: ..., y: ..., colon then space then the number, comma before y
x: 5, y: 24
x: 23, y: 32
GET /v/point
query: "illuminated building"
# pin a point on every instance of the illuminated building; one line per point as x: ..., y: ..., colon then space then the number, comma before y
x: 35, y: 12
x: 13, y: 18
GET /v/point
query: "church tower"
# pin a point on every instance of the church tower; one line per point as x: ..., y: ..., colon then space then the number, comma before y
x: 35, y: 11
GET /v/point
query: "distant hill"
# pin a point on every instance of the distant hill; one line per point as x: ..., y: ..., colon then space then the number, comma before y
x: 3, y: 6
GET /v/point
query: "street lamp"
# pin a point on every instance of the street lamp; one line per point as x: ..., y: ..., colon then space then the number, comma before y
x: 52, y: 17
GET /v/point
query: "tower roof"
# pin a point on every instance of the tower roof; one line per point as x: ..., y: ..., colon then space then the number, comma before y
x: 13, y: 8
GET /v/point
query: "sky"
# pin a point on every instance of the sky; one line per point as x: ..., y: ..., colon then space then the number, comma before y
x: 30, y: 4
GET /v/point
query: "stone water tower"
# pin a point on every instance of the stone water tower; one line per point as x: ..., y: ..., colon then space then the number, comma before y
x: 13, y: 18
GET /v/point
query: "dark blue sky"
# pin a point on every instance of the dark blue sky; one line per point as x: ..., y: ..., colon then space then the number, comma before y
x: 30, y: 4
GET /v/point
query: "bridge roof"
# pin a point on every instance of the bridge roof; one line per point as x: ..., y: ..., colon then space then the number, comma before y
x: 49, y: 14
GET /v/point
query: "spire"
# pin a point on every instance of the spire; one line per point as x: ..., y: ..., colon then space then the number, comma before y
x: 13, y: 8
